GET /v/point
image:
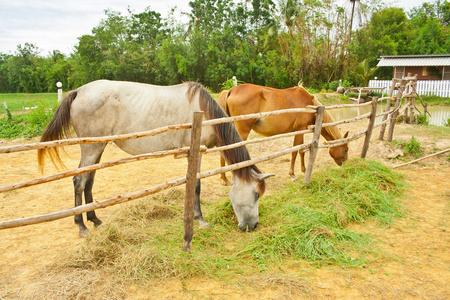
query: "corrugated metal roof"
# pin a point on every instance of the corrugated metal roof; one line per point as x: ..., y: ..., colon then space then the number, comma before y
x: 414, y: 60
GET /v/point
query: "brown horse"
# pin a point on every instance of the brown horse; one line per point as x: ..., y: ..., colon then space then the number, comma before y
x: 249, y: 98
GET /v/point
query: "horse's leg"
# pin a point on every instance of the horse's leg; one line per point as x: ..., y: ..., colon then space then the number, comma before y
x: 223, y: 177
x: 197, y: 205
x: 298, y: 140
x: 88, y: 196
x: 90, y: 154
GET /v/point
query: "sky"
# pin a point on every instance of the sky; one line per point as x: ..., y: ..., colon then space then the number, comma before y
x: 57, y: 24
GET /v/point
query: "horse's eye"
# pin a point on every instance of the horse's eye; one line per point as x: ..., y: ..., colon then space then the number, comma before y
x: 257, y: 196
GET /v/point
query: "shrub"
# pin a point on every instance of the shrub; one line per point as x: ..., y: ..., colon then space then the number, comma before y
x: 447, y: 122
x: 422, y: 120
x: 411, y: 147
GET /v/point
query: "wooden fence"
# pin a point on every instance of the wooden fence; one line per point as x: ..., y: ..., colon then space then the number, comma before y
x: 192, y: 152
x: 424, y: 87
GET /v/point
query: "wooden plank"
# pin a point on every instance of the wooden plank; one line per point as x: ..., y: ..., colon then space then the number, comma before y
x: 191, y: 177
x: 385, y: 117
x: 90, y: 168
x: 370, y: 128
x: 314, y: 144
x: 422, y: 158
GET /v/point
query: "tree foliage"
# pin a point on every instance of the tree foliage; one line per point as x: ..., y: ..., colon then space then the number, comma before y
x: 258, y: 41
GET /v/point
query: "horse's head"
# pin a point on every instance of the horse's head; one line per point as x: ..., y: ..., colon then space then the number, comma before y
x: 244, y: 196
x: 340, y: 153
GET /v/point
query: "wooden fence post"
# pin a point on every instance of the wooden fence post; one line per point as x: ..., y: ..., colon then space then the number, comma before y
x: 314, y: 144
x: 398, y: 103
x: 370, y: 127
x: 383, y: 126
x: 405, y: 116
x: 393, y: 120
x: 388, y: 107
x: 191, y: 177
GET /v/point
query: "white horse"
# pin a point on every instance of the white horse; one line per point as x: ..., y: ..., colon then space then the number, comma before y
x: 103, y: 108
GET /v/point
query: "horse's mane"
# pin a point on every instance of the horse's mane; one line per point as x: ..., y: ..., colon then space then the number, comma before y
x: 226, y: 133
x: 327, y: 118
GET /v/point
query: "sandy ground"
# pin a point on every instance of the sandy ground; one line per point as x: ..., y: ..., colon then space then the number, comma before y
x: 419, y: 243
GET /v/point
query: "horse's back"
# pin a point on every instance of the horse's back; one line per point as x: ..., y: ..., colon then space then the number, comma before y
x: 250, y: 98
x: 104, y: 108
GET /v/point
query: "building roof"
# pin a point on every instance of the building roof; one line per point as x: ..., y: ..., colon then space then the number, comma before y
x: 414, y: 60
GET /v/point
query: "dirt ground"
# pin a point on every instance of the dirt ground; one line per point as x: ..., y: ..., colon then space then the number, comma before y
x: 418, y: 243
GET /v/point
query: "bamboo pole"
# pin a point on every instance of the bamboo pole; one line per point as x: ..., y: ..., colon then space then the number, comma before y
x: 337, y: 106
x: 384, y: 114
x: 385, y: 117
x: 393, y: 120
x: 381, y: 123
x: 388, y: 107
x: 329, y: 144
x: 422, y: 158
x: 398, y: 103
x: 258, y: 115
x: 314, y: 144
x: 91, y: 168
x: 257, y: 140
x: 191, y: 177
x: 343, y: 121
x: 90, y: 140
x: 411, y: 110
x: 370, y: 128
x: 247, y: 163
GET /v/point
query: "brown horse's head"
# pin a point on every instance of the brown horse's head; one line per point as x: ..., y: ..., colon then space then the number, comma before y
x: 340, y: 153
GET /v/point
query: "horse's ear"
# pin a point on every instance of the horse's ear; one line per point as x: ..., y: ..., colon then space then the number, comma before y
x: 346, y: 135
x: 264, y: 176
x: 261, y: 176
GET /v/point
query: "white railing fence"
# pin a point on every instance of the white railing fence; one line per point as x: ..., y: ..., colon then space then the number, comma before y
x: 424, y: 87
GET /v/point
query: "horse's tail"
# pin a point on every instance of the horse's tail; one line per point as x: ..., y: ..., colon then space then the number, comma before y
x: 58, y: 128
x: 223, y: 96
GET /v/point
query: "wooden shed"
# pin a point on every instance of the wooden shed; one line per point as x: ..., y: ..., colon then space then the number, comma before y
x: 427, y: 67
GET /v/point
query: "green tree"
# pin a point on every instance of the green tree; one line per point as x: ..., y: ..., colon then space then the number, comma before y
x: 364, y: 73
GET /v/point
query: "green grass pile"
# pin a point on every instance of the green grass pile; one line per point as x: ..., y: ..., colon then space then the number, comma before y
x: 311, y: 222
x: 306, y: 223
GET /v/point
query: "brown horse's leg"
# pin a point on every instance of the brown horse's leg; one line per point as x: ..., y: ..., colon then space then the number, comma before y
x: 223, y: 177
x: 298, y: 140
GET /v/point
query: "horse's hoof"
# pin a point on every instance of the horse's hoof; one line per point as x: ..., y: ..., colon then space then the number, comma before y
x: 84, y: 233
x: 294, y: 178
x: 97, y: 222
x: 226, y: 183
x: 203, y: 225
